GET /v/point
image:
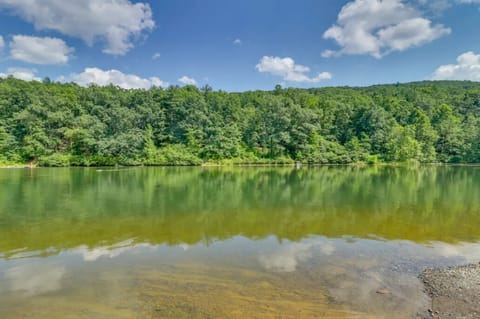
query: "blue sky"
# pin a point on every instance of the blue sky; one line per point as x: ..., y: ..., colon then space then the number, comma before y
x: 240, y: 45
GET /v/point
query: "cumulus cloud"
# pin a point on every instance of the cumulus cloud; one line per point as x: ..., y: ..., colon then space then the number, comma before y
x: 378, y: 27
x: 39, y: 50
x: 237, y: 42
x: 289, y: 70
x: 115, y: 77
x: 187, y: 80
x: 466, y: 68
x: 2, y: 43
x: 116, y: 22
x: 21, y: 74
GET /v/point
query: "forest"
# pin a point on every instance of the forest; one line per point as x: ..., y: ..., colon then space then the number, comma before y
x: 64, y: 124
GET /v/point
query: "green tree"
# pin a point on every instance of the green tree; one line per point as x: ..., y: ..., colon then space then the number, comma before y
x: 149, y: 148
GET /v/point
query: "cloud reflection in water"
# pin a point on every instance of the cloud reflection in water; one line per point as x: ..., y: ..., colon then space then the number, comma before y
x: 35, y: 279
x: 287, y: 257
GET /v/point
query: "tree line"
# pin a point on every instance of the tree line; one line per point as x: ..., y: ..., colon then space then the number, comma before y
x: 56, y: 124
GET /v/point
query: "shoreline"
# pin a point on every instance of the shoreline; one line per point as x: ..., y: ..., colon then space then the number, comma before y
x: 297, y: 165
x: 454, y: 291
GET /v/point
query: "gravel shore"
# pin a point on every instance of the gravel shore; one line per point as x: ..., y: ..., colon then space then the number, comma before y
x: 455, y: 292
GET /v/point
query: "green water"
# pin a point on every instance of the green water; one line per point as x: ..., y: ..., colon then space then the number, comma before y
x: 195, y: 242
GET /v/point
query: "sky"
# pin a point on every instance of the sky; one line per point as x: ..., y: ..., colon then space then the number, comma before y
x: 240, y: 45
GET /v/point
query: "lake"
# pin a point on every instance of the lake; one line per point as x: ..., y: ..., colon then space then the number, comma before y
x: 250, y: 242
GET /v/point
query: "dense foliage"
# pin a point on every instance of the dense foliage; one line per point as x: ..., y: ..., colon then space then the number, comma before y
x: 53, y: 124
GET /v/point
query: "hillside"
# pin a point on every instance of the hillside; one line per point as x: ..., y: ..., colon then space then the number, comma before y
x: 53, y: 124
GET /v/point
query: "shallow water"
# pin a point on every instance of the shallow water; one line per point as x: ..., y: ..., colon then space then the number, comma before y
x: 326, y: 242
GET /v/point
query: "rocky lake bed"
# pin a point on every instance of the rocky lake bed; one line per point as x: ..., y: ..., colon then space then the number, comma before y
x: 454, y: 291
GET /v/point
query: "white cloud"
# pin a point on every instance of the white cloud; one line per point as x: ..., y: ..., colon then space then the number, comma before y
x: 39, y: 50
x: 21, y: 74
x: 328, y: 53
x: 156, y: 56
x: 237, y: 42
x: 439, y: 6
x: 378, y: 27
x: 187, y: 80
x: 115, y: 22
x: 288, y: 70
x: 466, y: 68
x: 2, y: 43
x: 410, y: 33
x: 435, y: 6
x: 115, y: 77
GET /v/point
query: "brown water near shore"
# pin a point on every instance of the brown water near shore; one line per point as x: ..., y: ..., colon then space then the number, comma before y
x: 171, y: 293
